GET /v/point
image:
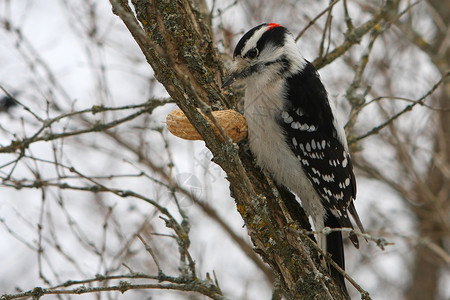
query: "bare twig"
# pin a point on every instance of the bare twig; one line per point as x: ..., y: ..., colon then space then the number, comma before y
x: 313, y: 21
x: 400, y: 113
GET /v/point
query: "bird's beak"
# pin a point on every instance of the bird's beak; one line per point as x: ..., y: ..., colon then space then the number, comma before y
x: 240, y: 70
x: 230, y: 79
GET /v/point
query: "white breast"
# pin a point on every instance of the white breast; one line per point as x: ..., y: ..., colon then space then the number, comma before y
x: 266, y: 138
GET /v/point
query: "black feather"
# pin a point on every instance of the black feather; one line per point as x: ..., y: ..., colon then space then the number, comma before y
x: 307, y: 120
x: 335, y: 248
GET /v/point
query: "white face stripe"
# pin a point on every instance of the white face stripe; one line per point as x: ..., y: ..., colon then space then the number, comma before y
x: 251, y: 43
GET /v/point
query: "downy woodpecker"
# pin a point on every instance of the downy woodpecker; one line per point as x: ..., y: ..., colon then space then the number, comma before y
x: 294, y: 131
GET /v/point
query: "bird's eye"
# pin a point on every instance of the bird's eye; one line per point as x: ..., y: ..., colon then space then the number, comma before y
x: 252, y: 53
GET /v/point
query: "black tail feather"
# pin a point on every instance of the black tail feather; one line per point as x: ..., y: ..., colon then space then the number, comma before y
x: 335, y: 248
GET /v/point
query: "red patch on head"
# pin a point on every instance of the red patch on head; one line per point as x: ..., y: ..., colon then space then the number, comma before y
x: 273, y: 25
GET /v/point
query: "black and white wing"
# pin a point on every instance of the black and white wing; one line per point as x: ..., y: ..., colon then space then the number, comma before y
x: 310, y: 131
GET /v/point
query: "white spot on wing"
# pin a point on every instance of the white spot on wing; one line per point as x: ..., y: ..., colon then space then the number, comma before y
x: 308, y: 147
x: 315, y: 171
x: 344, y: 162
x: 304, y: 127
x: 347, y: 182
x: 288, y: 120
x: 328, y: 178
x: 339, y: 196
x: 327, y: 191
x: 295, y: 125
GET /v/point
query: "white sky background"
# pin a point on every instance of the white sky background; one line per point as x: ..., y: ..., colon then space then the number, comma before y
x: 55, y: 34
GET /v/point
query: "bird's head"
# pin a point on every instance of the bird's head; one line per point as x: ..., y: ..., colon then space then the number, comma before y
x: 263, y: 53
